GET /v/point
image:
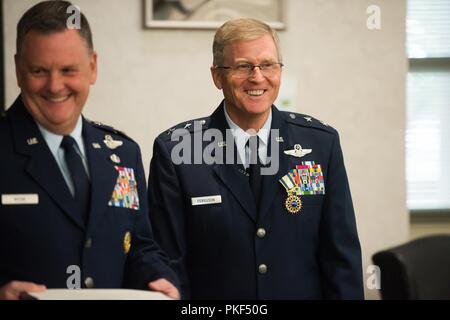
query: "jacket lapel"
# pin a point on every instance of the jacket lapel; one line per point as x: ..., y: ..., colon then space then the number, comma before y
x: 231, y: 174
x: 102, y: 173
x: 238, y: 185
x: 42, y: 166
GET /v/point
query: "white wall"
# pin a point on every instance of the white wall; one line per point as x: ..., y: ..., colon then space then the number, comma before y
x: 336, y: 70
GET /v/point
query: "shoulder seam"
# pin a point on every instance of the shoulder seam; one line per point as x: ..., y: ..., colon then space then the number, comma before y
x: 110, y: 129
x: 189, y: 126
x: 307, y: 121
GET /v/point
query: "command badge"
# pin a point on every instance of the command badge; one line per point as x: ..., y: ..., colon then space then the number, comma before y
x: 115, y: 158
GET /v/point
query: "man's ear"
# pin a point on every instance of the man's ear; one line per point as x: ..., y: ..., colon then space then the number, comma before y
x: 18, y: 72
x: 93, y: 66
x: 217, y: 77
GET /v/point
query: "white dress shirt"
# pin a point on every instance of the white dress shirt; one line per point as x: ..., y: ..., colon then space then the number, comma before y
x: 241, y: 137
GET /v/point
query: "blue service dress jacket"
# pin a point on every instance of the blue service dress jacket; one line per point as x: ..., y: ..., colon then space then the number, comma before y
x: 224, y: 248
x: 42, y: 236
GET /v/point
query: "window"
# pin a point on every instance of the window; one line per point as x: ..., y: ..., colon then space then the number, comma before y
x: 428, y: 105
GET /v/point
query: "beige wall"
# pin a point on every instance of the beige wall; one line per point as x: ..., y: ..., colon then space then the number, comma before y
x: 429, y: 224
x: 336, y: 70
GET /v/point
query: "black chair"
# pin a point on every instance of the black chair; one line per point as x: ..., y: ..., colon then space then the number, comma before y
x: 419, y: 269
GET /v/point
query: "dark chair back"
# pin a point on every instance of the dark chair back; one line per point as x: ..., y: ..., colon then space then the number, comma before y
x: 419, y: 269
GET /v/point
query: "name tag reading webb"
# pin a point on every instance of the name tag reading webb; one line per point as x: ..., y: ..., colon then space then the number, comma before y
x: 16, y: 199
x: 200, y: 201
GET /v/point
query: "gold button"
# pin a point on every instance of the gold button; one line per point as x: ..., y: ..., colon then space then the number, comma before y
x: 261, y: 232
x: 262, y: 268
x: 89, y: 282
x: 88, y: 243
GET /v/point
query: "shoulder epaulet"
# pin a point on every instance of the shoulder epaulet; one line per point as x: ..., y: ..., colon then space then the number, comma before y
x: 110, y: 129
x: 305, y: 120
x: 187, y: 127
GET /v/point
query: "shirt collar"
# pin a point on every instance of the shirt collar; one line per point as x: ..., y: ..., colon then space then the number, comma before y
x: 241, y: 137
x: 239, y: 134
x: 54, y: 140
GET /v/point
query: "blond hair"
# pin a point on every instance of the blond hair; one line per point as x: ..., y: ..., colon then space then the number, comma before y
x: 240, y: 30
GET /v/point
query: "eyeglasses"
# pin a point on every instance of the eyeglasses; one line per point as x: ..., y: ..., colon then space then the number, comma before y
x: 245, y: 70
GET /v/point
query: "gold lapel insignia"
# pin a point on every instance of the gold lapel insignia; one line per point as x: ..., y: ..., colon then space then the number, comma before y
x: 127, y: 242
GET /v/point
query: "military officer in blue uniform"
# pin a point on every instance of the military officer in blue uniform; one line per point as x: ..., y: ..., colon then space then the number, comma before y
x: 232, y: 231
x: 74, y: 209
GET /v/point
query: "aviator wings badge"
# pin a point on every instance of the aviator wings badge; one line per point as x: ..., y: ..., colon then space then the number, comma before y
x: 111, y: 143
x: 298, y: 151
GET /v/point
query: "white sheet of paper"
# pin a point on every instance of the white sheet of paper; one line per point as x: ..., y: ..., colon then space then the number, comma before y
x: 98, y: 294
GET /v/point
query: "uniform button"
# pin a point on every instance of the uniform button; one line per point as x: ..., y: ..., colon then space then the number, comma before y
x: 88, y: 243
x: 89, y: 282
x: 262, y: 268
x: 261, y: 232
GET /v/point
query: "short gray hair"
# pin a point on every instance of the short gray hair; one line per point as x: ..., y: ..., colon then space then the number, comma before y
x: 239, y: 30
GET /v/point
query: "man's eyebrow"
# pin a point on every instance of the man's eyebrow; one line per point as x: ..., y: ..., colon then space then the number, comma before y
x: 70, y: 66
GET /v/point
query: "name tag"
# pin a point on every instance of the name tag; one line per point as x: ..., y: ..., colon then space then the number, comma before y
x: 200, y: 201
x: 15, y: 199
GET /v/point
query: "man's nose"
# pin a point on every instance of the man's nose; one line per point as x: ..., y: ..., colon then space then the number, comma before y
x: 256, y: 74
x: 55, y: 82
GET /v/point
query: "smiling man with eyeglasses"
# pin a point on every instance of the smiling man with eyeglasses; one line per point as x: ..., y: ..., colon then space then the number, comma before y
x: 231, y: 229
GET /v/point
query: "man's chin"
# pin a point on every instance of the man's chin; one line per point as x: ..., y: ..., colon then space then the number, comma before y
x: 258, y: 111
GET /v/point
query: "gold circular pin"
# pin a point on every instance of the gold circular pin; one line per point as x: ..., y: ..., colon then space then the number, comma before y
x: 127, y: 242
x: 293, y: 204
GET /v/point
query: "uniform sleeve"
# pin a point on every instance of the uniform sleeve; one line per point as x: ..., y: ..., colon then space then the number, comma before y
x: 339, y: 250
x: 167, y: 211
x: 146, y: 261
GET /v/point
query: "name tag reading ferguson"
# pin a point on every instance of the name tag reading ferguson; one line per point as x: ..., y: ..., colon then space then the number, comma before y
x: 16, y: 199
x: 200, y: 201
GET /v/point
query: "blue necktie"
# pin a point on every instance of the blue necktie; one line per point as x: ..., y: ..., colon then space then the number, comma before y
x: 255, y: 169
x: 79, y: 176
